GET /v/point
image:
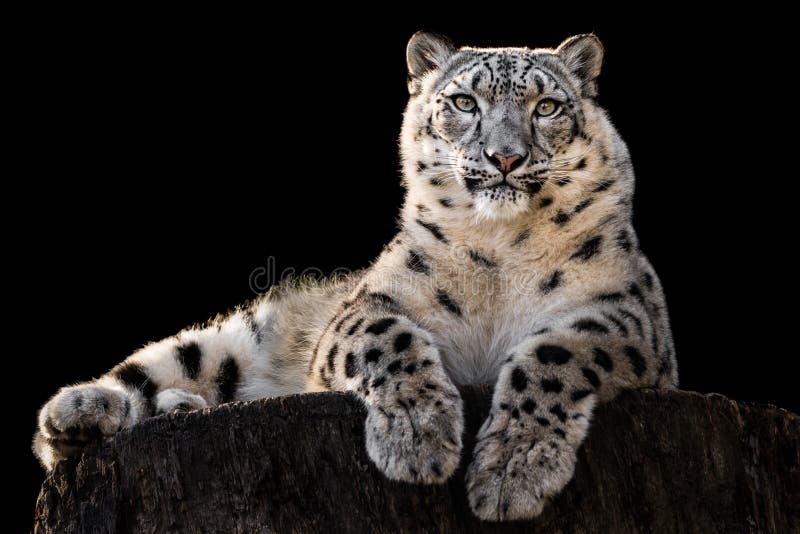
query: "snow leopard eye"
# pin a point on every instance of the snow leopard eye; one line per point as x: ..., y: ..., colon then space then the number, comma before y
x: 465, y: 103
x: 546, y: 107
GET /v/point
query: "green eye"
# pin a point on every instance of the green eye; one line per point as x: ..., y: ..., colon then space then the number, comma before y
x: 546, y: 107
x: 465, y: 103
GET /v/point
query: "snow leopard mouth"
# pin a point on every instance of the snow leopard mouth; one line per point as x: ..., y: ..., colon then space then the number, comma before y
x: 530, y: 188
x: 505, y: 185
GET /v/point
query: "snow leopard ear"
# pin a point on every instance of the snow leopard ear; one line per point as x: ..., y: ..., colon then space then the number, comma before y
x: 426, y: 52
x: 583, y: 56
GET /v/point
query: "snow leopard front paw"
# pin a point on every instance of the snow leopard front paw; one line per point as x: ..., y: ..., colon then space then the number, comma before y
x: 77, y: 415
x: 417, y: 438
x: 513, y: 480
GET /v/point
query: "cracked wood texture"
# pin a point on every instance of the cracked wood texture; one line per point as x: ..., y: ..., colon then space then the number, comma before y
x: 655, y: 461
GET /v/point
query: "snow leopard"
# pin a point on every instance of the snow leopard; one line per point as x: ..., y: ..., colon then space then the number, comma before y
x: 515, y: 265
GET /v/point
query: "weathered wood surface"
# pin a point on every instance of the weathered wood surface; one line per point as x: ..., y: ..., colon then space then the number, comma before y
x: 655, y: 461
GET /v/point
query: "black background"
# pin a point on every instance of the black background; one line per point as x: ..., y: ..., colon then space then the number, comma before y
x: 150, y: 190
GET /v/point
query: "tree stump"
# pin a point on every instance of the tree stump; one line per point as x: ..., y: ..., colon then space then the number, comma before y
x: 655, y: 461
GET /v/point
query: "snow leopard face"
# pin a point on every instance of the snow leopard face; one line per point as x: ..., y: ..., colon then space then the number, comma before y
x: 501, y: 123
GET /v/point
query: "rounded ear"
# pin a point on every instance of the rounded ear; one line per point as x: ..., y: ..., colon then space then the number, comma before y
x: 426, y: 52
x: 583, y: 56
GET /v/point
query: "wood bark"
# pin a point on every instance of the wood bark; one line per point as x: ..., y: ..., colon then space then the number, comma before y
x: 655, y: 461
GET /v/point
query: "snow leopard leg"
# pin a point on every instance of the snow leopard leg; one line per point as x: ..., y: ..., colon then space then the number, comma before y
x: 414, y: 421
x: 194, y: 369
x: 543, y: 401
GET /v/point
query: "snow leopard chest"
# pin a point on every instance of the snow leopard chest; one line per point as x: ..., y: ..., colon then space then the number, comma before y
x: 492, y: 321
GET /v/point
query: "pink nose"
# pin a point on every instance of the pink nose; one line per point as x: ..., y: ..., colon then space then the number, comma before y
x: 505, y: 164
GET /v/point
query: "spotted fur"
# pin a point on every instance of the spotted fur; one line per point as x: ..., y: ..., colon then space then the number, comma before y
x: 516, y: 264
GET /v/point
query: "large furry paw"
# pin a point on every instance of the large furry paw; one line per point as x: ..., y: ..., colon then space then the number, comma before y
x: 513, y: 480
x: 416, y: 437
x: 77, y: 415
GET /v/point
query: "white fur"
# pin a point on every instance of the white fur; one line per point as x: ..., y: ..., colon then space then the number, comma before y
x: 507, y: 281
